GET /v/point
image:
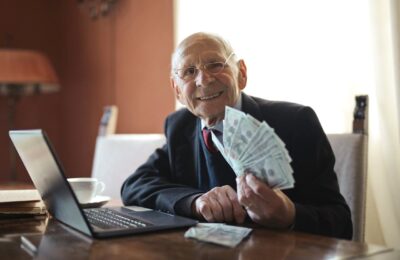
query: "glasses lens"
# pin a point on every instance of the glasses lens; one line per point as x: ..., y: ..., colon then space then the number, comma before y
x: 214, y: 67
x: 190, y: 72
x: 187, y: 73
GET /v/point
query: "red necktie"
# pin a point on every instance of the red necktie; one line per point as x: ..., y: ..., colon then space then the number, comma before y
x: 208, y: 141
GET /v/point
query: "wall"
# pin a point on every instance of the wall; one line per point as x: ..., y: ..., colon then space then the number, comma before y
x: 120, y: 59
x: 29, y: 25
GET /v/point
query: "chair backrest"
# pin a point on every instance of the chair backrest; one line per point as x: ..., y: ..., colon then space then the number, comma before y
x: 351, y: 152
x: 118, y: 156
x: 351, y: 168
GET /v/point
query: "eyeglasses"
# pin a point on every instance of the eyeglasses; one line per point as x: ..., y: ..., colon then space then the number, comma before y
x: 189, y: 73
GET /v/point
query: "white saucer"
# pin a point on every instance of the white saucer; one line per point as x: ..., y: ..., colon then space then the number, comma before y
x: 97, y: 202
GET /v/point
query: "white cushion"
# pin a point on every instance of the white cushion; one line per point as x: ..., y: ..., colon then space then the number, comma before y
x: 118, y: 156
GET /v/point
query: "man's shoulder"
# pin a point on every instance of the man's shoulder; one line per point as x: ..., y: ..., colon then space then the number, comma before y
x: 181, y: 115
x: 276, y: 104
x: 180, y: 120
x: 274, y: 108
x: 283, y: 116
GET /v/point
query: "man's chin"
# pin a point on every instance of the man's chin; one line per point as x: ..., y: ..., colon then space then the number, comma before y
x: 212, y: 117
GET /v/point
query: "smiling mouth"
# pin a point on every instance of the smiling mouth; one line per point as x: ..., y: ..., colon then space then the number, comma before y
x: 211, y: 96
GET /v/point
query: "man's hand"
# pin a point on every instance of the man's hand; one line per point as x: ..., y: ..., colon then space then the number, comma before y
x: 219, y: 205
x: 265, y: 206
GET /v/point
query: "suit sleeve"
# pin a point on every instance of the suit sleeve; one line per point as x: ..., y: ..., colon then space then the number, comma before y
x: 320, y: 208
x: 154, y: 185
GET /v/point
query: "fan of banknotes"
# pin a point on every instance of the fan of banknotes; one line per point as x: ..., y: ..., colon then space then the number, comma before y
x: 218, y: 233
x: 252, y: 146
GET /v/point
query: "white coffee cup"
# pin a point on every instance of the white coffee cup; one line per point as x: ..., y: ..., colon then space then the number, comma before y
x: 86, y: 189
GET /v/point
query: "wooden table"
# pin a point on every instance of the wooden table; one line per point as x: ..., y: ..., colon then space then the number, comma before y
x: 56, y: 241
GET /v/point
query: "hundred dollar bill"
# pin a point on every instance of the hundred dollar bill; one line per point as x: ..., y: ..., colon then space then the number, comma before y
x: 231, y: 121
x: 252, y: 146
x: 246, y: 130
x: 272, y: 172
x: 218, y: 233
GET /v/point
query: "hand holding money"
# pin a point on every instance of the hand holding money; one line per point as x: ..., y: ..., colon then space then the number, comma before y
x: 265, y: 206
x: 252, y: 146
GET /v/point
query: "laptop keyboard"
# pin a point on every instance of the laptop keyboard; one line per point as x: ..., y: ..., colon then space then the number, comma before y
x: 108, y: 218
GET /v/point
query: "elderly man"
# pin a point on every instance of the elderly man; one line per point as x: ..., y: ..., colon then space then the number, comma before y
x: 185, y: 177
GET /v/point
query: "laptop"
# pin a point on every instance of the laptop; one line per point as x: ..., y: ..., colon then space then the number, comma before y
x: 47, y: 174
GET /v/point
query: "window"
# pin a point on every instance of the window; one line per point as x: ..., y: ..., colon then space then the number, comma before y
x: 313, y: 52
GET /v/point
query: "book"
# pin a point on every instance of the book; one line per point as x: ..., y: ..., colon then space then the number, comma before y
x: 19, y: 196
x: 21, y: 203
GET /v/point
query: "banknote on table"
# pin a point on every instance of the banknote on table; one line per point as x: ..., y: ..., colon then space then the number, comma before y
x: 249, y: 145
x: 218, y: 233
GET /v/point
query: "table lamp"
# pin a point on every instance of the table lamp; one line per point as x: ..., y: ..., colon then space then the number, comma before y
x: 23, y: 73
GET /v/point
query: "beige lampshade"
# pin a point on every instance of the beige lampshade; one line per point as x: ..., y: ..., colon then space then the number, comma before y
x: 24, y: 72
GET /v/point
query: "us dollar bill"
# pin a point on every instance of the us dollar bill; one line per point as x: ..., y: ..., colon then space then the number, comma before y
x: 251, y: 146
x: 218, y: 233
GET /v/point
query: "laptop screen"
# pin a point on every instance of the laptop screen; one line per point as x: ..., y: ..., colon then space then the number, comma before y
x: 46, y: 172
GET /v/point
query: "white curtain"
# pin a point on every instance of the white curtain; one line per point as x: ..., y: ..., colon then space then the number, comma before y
x: 384, y: 144
x: 321, y: 53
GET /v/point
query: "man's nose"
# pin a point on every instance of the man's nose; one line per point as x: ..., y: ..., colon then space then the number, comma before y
x: 203, y: 77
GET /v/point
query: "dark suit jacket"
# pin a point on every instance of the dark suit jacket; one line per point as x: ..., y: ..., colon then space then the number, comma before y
x: 169, y: 176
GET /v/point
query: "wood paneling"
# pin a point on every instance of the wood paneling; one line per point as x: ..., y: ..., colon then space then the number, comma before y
x: 120, y: 59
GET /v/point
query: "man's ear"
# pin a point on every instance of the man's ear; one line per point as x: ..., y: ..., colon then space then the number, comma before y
x: 176, y: 89
x: 242, y: 75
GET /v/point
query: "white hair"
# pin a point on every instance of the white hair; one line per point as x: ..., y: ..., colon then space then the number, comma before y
x: 196, y: 37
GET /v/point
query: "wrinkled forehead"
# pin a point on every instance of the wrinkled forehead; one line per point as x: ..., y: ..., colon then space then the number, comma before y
x: 198, y: 50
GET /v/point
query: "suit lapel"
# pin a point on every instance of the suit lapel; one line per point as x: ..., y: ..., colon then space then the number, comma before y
x: 187, y: 159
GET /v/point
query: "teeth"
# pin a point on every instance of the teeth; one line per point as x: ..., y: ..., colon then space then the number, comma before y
x: 210, y: 97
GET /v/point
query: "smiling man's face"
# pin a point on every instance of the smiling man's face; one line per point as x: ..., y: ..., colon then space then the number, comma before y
x: 207, y: 94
